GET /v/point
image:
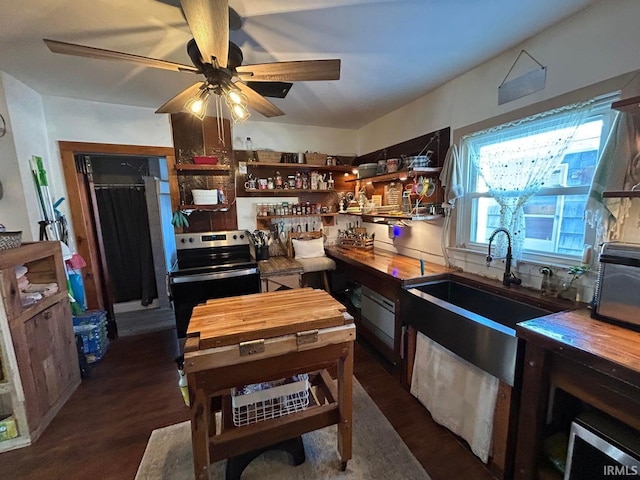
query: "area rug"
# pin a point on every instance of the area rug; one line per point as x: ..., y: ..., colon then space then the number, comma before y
x: 378, y: 453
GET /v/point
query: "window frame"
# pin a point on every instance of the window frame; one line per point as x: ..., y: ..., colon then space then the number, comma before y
x: 467, y: 206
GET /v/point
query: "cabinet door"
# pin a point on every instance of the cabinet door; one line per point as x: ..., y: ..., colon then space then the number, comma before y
x: 52, y: 360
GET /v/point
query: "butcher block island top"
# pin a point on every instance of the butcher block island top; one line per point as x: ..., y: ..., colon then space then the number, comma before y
x: 393, y: 266
x: 229, y: 321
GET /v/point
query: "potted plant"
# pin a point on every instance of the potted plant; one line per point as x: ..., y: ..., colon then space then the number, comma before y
x: 568, y: 290
x: 549, y: 286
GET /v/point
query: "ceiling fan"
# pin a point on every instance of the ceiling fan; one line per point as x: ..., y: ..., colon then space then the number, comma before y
x: 219, y: 61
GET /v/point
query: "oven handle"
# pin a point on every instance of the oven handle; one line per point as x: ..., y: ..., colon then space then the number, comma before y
x: 200, y: 277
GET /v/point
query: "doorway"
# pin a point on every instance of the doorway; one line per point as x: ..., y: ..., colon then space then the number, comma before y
x: 121, y: 214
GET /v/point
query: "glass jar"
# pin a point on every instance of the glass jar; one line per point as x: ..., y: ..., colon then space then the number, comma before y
x: 278, y: 180
x: 270, y: 183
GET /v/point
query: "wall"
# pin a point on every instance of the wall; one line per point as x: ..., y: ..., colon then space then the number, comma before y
x: 597, y: 44
x: 23, y: 111
x: 294, y: 138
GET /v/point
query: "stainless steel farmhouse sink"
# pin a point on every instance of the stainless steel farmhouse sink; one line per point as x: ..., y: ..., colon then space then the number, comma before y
x: 473, y: 323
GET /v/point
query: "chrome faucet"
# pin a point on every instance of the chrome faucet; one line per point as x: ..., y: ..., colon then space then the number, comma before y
x: 508, y: 277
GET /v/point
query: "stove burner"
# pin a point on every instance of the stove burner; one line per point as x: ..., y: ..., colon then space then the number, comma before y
x: 211, y: 265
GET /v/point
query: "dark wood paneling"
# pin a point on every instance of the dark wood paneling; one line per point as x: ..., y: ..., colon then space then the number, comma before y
x: 193, y: 137
x: 440, y: 141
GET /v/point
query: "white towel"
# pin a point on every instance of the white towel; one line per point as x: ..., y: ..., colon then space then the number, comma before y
x: 458, y: 394
x: 451, y: 176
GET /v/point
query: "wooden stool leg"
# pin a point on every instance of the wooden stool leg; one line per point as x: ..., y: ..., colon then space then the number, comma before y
x: 345, y: 405
x: 199, y: 411
x: 325, y: 280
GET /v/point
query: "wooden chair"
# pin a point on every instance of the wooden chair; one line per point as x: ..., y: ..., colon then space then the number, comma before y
x: 321, y: 263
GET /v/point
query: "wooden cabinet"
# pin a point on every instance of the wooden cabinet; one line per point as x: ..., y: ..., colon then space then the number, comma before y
x: 38, y: 353
x: 593, y: 361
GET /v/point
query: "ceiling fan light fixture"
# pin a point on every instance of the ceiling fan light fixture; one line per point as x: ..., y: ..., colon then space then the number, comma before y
x: 237, y: 103
x: 234, y: 96
x: 198, y: 104
x: 239, y: 112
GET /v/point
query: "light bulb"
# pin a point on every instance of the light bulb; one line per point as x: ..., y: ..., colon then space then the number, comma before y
x: 234, y: 96
x: 239, y: 113
x: 198, y: 104
x: 196, y: 107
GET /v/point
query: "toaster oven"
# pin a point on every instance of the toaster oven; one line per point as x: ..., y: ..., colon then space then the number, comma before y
x: 617, y: 298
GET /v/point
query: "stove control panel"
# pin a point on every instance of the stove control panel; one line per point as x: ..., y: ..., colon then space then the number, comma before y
x: 211, y: 239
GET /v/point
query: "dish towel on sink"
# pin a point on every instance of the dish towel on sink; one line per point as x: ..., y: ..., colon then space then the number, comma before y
x: 458, y: 394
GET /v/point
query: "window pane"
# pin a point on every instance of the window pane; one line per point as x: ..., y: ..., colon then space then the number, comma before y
x: 553, y: 223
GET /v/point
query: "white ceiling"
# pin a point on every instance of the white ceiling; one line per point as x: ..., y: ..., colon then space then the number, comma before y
x: 392, y: 52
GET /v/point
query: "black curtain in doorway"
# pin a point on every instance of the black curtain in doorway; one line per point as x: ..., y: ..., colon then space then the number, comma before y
x: 127, y: 243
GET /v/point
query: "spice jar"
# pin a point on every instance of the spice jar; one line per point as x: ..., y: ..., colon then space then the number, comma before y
x: 270, y: 184
x: 278, y: 180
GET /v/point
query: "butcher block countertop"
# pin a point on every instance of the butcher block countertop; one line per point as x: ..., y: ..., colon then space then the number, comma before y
x: 392, y: 266
x: 231, y: 320
x: 614, y: 350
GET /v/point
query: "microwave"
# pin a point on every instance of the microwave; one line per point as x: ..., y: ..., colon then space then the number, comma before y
x: 617, y: 298
x: 601, y: 447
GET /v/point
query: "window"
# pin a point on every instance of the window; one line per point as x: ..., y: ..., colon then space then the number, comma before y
x: 553, y: 215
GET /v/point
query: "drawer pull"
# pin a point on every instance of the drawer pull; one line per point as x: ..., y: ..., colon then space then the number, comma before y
x: 47, y: 315
x: 252, y: 347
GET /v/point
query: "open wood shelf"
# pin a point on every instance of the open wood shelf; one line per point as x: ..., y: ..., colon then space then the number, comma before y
x: 219, y: 207
x: 388, y: 177
x: 628, y: 105
x: 191, y: 167
x: 370, y: 217
x: 304, y: 166
x: 622, y: 194
x: 285, y: 191
x: 269, y: 217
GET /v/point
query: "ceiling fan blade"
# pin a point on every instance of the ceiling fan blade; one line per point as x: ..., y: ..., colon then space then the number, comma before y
x: 176, y: 104
x: 258, y: 102
x: 291, y: 71
x: 209, y: 24
x: 101, y: 54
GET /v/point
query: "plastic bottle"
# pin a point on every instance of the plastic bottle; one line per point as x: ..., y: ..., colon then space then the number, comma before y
x: 182, y: 383
x: 250, y: 155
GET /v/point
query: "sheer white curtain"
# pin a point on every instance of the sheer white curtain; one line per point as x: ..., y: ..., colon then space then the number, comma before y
x: 515, y: 159
x: 618, y: 169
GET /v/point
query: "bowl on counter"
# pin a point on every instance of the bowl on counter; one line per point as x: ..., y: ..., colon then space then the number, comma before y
x: 367, y: 170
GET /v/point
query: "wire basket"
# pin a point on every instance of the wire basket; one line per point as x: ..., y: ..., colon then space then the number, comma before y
x: 10, y: 240
x: 271, y: 402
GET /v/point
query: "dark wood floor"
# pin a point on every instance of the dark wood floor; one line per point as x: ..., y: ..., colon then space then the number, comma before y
x: 102, y: 431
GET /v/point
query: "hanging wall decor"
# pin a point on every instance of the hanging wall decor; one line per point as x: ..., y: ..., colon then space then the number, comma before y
x: 523, y: 85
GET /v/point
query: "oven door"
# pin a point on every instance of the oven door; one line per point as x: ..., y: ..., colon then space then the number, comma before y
x: 189, y: 290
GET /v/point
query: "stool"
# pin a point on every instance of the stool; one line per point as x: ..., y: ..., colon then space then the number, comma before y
x: 237, y: 464
x: 316, y: 262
